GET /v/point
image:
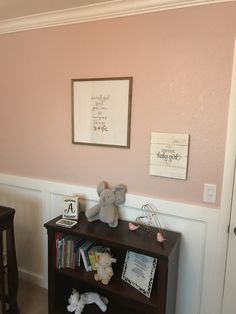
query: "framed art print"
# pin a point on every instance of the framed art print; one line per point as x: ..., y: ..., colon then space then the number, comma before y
x: 101, y: 111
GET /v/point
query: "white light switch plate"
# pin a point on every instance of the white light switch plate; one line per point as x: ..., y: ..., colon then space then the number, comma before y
x: 209, y: 194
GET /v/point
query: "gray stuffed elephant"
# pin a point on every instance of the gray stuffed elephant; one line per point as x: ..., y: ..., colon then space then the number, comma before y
x: 107, y: 208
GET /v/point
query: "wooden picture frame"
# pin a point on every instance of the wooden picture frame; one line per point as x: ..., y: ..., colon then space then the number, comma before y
x: 101, y: 111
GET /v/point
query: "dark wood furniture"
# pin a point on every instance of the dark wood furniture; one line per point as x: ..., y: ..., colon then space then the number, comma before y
x: 123, y: 298
x: 8, y: 268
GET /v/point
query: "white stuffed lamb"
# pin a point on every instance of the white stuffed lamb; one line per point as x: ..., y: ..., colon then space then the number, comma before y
x: 104, y: 268
x: 77, y: 302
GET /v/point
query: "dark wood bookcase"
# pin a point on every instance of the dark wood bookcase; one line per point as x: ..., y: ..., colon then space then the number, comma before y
x: 123, y: 298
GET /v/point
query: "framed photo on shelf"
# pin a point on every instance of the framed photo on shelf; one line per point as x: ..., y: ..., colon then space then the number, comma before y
x: 71, y: 208
x: 101, y: 111
x: 139, y: 271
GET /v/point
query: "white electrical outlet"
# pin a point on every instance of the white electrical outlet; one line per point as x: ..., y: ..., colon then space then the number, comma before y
x: 209, y: 194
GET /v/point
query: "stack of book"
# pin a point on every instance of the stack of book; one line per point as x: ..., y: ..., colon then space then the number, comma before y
x: 93, y: 254
x: 72, y: 252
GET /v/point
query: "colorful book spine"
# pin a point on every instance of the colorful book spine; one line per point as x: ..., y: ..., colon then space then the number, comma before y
x: 78, y: 245
x: 91, y: 258
x: 59, y: 237
x: 94, y: 253
x: 59, y: 253
x: 84, y: 254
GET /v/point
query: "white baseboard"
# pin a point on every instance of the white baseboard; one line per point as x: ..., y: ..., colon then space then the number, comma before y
x: 31, y: 277
x: 37, y: 201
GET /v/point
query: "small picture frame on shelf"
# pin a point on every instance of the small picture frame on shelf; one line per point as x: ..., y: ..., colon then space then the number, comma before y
x: 71, y: 208
x: 67, y: 223
x: 139, y: 271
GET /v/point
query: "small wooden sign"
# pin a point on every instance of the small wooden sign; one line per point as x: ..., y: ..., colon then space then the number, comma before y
x: 169, y: 155
x: 71, y: 208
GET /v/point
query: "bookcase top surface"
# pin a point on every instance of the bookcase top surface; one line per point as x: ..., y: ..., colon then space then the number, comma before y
x: 120, y: 237
x: 6, y: 211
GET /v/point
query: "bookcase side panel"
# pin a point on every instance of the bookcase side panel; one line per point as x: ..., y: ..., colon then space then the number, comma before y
x: 51, y: 271
x: 172, y: 280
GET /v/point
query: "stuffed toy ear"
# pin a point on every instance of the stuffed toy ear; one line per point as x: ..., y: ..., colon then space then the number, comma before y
x: 101, y: 187
x: 119, y: 191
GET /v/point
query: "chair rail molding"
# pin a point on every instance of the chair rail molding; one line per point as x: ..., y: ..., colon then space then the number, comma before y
x: 100, y: 11
x: 37, y: 201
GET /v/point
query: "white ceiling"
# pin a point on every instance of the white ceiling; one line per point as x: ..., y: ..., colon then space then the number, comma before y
x: 17, y: 8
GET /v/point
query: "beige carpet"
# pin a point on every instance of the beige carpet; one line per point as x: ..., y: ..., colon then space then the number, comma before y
x: 32, y: 299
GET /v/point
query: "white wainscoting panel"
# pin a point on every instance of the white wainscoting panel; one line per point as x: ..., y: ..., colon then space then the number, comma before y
x: 37, y: 201
x: 28, y: 223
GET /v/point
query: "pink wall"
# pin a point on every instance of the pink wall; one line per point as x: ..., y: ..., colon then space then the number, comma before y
x: 181, y: 63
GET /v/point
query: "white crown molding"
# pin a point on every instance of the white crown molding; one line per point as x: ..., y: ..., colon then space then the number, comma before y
x: 94, y: 12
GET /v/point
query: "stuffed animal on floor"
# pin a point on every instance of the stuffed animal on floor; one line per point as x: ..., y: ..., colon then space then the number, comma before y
x: 104, y: 268
x: 107, y: 208
x: 78, y: 301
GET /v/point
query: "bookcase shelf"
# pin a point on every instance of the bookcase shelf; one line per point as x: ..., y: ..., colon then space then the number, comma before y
x: 123, y: 298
